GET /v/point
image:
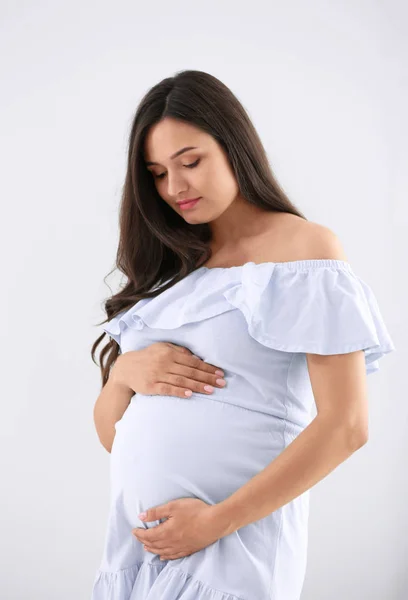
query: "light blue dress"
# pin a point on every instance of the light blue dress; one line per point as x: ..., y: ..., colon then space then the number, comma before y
x: 256, y: 322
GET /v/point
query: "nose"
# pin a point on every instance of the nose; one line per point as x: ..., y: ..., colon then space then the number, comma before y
x: 176, y: 184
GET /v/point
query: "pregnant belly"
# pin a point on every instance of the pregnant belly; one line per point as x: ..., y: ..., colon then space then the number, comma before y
x: 168, y: 447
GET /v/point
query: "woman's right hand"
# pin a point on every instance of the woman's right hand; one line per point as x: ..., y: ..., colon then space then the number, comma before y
x: 166, y: 369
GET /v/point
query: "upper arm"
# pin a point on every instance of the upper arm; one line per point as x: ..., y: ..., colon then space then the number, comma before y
x: 339, y: 381
x: 339, y: 385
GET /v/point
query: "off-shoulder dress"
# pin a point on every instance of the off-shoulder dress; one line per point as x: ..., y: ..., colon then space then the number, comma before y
x: 256, y: 322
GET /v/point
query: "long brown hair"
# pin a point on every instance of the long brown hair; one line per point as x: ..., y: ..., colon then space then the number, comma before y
x: 155, y: 243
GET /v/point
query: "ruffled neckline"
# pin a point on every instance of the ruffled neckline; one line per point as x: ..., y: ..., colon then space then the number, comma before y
x: 318, y: 306
x: 292, y: 264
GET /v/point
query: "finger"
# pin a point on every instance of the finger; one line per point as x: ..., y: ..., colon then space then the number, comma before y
x: 166, y: 389
x: 181, y: 349
x: 191, y: 384
x: 155, y: 549
x: 144, y: 538
x: 172, y: 556
x: 193, y: 376
x: 195, y: 361
x: 152, y: 535
x: 168, y: 551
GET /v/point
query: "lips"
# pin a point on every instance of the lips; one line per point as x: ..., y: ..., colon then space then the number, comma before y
x: 189, y: 200
x: 189, y: 205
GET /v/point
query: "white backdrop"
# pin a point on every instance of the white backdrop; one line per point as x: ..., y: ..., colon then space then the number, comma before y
x: 325, y: 84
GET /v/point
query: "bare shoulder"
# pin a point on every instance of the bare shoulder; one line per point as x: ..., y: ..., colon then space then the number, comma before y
x: 309, y: 240
x: 319, y: 241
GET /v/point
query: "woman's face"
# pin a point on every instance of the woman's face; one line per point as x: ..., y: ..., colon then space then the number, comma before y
x: 201, y: 172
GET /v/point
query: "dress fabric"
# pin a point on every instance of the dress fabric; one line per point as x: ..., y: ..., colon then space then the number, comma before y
x: 256, y: 322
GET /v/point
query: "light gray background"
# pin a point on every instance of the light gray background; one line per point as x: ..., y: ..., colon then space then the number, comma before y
x: 325, y: 84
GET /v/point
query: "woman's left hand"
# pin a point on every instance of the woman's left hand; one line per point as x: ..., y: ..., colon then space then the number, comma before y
x: 190, y: 526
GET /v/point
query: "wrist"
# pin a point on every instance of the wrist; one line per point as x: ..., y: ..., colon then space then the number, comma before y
x: 224, y: 519
x: 116, y: 380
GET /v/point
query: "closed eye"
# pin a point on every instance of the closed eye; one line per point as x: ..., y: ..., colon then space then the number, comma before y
x: 190, y: 166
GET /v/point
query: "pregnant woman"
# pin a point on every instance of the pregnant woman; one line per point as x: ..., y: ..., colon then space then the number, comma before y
x: 237, y: 317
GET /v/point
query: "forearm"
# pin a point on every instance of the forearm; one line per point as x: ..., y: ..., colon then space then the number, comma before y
x: 108, y: 410
x: 314, y: 453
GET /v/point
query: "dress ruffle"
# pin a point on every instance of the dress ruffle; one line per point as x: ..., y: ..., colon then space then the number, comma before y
x: 153, y: 582
x: 321, y: 308
x: 315, y: 306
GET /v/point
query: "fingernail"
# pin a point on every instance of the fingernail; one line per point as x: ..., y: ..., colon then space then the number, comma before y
x: 142, y: 516
x: 219, y: 372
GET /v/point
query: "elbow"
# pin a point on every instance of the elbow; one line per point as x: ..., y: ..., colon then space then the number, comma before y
x: 105, y: 432
x: 108, y: 447
x: 106, y: 442
x: 357, y: 437
x: 353, y: 433
x: 356, y: 431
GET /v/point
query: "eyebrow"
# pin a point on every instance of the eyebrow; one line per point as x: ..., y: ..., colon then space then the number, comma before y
x: 185, y: 149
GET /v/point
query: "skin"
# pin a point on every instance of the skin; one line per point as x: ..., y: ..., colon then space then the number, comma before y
x: 243, y: 233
